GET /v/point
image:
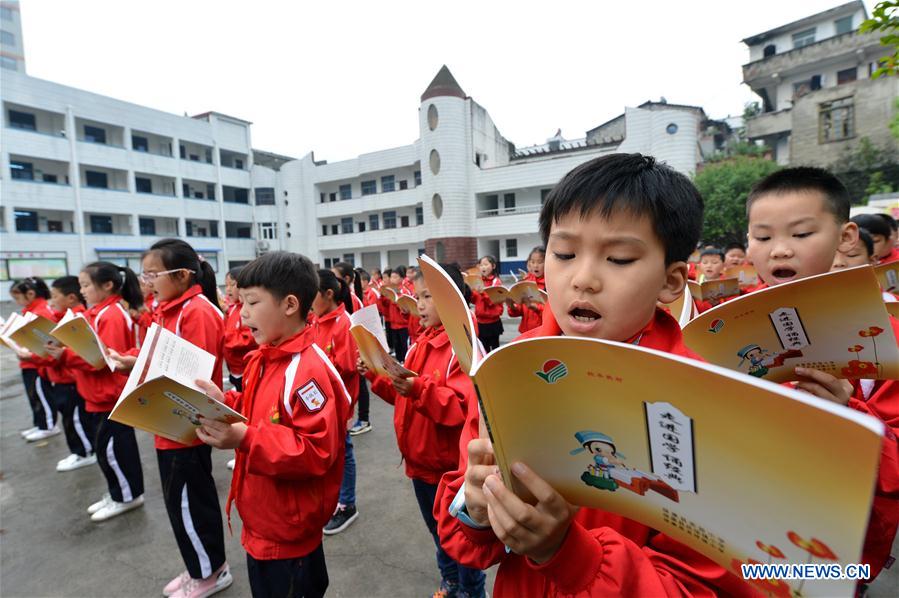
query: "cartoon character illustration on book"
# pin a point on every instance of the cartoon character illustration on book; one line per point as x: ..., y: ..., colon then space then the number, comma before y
x: 761, y: 361
x: 608, y: 470
x: 191, y: 417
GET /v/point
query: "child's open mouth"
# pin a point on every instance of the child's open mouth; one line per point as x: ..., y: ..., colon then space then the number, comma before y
x: 584, y: 315
x: 783, y: 273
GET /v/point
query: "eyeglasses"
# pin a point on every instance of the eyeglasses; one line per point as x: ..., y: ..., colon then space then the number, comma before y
x: 151, y: 276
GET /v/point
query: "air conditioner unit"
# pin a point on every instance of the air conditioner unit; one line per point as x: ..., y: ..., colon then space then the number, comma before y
x: 261, y: 247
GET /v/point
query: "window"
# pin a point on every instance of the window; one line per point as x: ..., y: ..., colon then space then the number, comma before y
x: 101, y: 224
x: 324, y: 230
x: 334, y: 229
x: 390, y: 219
x: 22, y: 120
x: 210, y: 191
x: 50, y: 178
x: 96, y: 180
x: 238, y: 230
x: 404, y: 184
x: 268, y: 230
x: 349, y: 258
x: 804, y: 38
x: 770, y: 50
x: 361, y: 226
x: 9, y: 63
x: 509, y: 202
x: 332, y: 197
x: 388, y: 184
x: 836, y: 120
x: 417, y: 178
x: 238, y: 163
x: 543, y: 195
x: 404, y: 221
x: 140, y: 144
x: 373, y: 222
x: 22, y: 171
x: 143, y: 184
x: 847, y: 75
x: 54, y: 226
x: 6, y: 13
x: 419, y: 216
x: 843, y: 25
x: 182, y: 151
x: 511, y: 247
x: 26, y: 221
x: 321, y: 198
x: 346, y: 192
x: 329, y: 262
x: 369, y: 187
x: 265, y: 196
x: 346, y: 226
x: 147, y: 226
x: 94, y: 134
x: 7, y: 38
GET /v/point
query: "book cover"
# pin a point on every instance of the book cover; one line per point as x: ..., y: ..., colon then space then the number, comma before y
x: 371, y: 341
x: 888, y: 276
x: 407, y: 304
x: 74, y: 331
x: 517, y: 293
x: 733, y: 479
x: 714, y: 290
x: 746, y: 275
x: 161, y: 395
x: 32, y: 332
x: 813, y: 323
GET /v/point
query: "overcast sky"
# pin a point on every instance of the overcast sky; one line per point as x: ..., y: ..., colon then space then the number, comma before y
x: 344, y: 78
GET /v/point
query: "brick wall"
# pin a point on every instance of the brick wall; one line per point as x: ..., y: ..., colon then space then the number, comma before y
x: 463, y: 250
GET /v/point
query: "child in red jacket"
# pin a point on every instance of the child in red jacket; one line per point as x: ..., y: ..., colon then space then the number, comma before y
x: 186, y: 289
x: 290, y: 451
x: 65, y: 294
x: 396, y: 322
x: 429, y: 411
x: 238, y: 338
x: 530, y: 312
x: 32, y: 295
x: 331, y: 321
x: 488, y: 313
x: 618, y: 232
x: 104, y: 286
x: 798, y: 222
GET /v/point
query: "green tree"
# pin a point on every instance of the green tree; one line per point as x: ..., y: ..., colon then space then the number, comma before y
x: 885, y: 20
x: 725, y: 186
x: 867, y: 169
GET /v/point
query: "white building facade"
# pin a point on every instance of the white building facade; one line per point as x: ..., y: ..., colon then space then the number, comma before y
x: 12, y: 46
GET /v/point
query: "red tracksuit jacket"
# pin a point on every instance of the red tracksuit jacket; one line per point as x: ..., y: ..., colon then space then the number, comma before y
x: 38, y: 307
x: 893, y: 257
x: 603, y: 554
x: 357, y: 302
x: 146, y: 317
x: 485, y: 310
x: 429, y: 421
x: 195, y: 319
x: 332, y: 335
x: 530, y: 318
x: 56, y: 369
x: 238, y: 341
x: 370, y: 297
x: 290, y: 463
x: 101, y: 388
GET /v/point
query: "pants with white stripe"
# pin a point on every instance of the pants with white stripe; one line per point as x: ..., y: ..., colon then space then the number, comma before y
x: 38, y: 390
x: 193, y: 506
x: 118, y: 457
x: 76, y: 424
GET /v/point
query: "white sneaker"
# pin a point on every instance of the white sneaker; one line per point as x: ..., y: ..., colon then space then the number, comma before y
x: 42, y: 434
x: 30, y: 430
x: 202, y: 588
x: 175, y: 585
x: 99, y: 504
x: 75, y: 462
x: 230, y: 464
x: 115, y: 508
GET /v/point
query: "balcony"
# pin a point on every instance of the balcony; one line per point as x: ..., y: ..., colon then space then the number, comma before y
x: 368, y: 203
x: 535, y: 209
x: 372, y: 238
x: 767, y: 124
x: 830, y: 49
x: 150, y: 184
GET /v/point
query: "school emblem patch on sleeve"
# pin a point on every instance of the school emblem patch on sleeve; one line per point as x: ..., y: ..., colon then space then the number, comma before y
x: 312, y: 396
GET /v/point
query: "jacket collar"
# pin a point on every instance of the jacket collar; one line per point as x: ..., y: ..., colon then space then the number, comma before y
x: 662, y: 332
x: 293, y: 345
x: 96, y: 309
x: 178, y: 302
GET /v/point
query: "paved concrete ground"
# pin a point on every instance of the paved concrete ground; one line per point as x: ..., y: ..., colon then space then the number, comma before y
x: 49, y: 546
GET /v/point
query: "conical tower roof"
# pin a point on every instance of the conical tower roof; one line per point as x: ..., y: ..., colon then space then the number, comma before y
x: 444, y: 84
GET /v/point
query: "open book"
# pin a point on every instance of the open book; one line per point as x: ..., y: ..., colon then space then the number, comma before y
x: 746, y: 275
x: 371, y: 341
x: 74, y: 331
x: 405, y: 302
x: 5, y: 325
x: 834, y: 322
x: 161, y: 395
x: 29, y: 331
x: 474, y: 281
x: 714, y: 290
x: 724, y: 477
x: 888, y: 276
x: 518, y: 292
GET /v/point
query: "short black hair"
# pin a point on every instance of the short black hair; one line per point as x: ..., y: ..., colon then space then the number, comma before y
x: 282, y: 273
x: 730, y: 246
x: 890, y: 220
x: 712, y: 251
x: 401, y: 270
x: 865, y: 237
x: 874, y: 224
x: 233, y: 272
x: 32, y: 283
x: 68, y: 285
x: 638, y: 185
x: 805, y: 178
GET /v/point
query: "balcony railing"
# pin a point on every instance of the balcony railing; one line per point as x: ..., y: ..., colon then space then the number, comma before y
x: 509, y: 211
x: 845, y: 43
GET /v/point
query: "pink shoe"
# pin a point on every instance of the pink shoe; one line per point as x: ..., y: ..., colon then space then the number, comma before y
x: 201, y: 588
x: 175, y: 585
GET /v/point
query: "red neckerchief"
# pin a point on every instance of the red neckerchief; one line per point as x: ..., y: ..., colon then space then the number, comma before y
x: 267, y: 353
x: 175, y: 305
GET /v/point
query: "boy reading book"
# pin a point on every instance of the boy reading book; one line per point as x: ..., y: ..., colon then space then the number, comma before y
x: 618, y: 232
x: 290, y: 451
x: 798, y: 222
